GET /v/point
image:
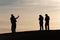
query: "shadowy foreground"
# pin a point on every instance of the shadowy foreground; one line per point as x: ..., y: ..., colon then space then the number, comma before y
x: 32, y: 35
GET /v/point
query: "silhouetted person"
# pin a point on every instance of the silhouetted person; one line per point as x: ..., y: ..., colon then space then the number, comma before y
x: 13, y: 23
x: 47, y: 18
x: 41, y: 22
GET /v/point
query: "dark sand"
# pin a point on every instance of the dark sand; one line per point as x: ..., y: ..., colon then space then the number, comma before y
x: 32, y: 35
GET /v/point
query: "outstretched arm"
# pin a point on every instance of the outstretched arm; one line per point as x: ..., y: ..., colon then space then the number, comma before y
x: 17, y: 17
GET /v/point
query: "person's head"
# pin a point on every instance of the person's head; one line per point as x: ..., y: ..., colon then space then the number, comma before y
x: 40, y: 15
x: 46, y: 14
x: 11, y: 14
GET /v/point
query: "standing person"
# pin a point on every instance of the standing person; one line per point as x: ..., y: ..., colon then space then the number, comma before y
x: 47, y: 18
x: 13, y: 23
x: 41, y: 22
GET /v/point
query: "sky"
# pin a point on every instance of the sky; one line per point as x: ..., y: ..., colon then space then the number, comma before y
x: 29, y: 11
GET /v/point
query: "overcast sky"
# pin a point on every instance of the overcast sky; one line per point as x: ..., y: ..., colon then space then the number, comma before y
x: 29, y: 11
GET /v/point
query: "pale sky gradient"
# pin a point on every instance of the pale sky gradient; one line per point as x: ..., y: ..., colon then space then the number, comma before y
x: 29, y: 11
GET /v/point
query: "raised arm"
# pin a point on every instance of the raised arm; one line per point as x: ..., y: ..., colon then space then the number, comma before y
x: 17, y: 17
